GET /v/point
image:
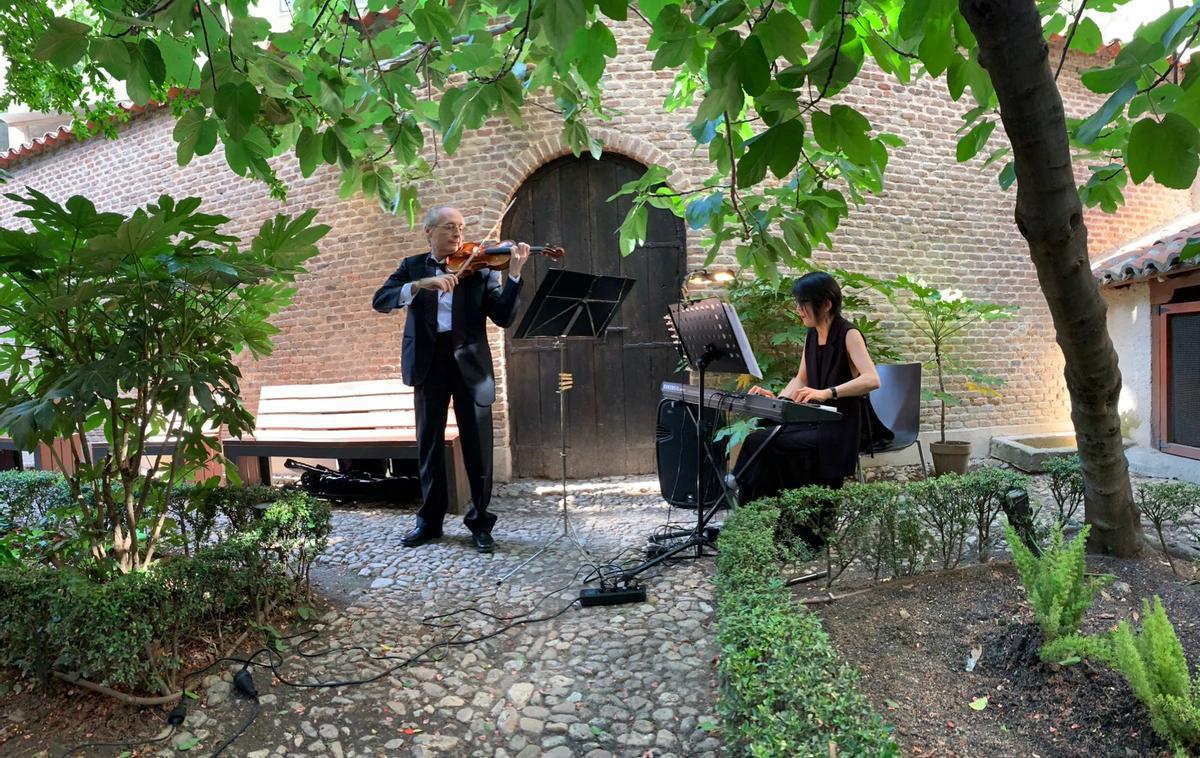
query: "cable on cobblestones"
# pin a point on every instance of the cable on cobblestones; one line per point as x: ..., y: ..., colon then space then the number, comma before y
x: 276, y: 660
x: 124, y: 744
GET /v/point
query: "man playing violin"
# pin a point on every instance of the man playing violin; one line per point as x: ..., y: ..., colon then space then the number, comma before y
x: 445, y: 355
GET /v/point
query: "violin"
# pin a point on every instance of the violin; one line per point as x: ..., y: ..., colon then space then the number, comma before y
x: 475, y: 256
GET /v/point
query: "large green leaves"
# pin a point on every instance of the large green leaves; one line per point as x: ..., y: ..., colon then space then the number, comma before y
x: 64, y: 42
x: 1167, y: 150
x: 777, y: 148
x: 844, y: 129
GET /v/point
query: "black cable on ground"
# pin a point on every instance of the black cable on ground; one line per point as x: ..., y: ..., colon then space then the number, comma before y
x: 126, y: 744
x: 244, y: 683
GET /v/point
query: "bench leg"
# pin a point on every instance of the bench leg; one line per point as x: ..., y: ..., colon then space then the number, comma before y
x: 254, y: 470
x: 456, y: 479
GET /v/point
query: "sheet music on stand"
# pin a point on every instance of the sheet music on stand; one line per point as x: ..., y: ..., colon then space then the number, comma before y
x: 713, y: 323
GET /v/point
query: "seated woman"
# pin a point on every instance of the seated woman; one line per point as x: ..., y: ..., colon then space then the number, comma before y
x: 835, y: 370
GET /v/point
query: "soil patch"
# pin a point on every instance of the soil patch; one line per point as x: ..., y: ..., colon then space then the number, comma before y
x: 911, y: 640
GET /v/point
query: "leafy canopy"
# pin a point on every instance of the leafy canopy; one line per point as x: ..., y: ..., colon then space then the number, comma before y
x: 382, y: 91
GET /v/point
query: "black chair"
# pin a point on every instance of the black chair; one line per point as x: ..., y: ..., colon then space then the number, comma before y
x: 897, y: 403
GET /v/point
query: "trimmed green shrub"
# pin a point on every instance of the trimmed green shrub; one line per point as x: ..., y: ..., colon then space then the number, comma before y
x: 854, y: 528
x: 1055, y: 583
x: 1166, y: 503
x: 987, y: 488
x: 783, y: 691
x: 127, y: 632
x: 1153, y: 663
x: 295, y: 530
x: 900, y: 545
x: 26, y: 497
x: 39, y: 520
x: 806, y: 518
x: 206, y: 512
x: 1066, y: 485
x: 945, y: 506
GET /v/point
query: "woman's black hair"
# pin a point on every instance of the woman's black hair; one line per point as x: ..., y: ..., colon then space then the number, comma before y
x: 816, y: 287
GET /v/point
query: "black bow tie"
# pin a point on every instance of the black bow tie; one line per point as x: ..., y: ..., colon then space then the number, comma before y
x: 440, y: 265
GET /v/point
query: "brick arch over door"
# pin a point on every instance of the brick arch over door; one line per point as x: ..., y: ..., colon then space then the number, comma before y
x: 611, y: 410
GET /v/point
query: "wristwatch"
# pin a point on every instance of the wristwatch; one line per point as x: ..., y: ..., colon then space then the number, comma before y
x: 833, y: 393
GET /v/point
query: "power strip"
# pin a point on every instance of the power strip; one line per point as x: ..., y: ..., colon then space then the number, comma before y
x: 590, y: 596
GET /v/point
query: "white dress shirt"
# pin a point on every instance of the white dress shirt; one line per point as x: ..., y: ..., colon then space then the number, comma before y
x: 445, y: 303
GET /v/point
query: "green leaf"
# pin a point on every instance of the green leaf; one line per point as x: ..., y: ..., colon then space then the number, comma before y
x: 329, y: 96
x: 777, y: 148
x: 308, y: 151
x: 178, y: 58
x: 560, y: 19
x: 1110, y: 78
x: 1087, y: 37
x: 821, y: 12
x: 753, y: 68
x: 153, y: 61
x: 973, y: 141
x: 617, y: 10
x: 188, y: 744
x: 111, y: 54
x: 844, y: 129
x: 1008, y: 175
x: 1090, y: 129
x: 590, y: 49
x: 937, y: 47
x: 63, y: 43
x: 782, y: 36
x: 1167, y: 149
x: 187, y: 133
x: 237, y: 105
x: 978, y: 704
x: 1104, y: 188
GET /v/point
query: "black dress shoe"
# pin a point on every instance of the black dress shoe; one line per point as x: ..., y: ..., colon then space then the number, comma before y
x: 419, y: 536
x: 483, y: 541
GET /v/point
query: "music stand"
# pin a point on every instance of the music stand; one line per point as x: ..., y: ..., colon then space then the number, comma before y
x: 569, y: 304
x: 711, y: 338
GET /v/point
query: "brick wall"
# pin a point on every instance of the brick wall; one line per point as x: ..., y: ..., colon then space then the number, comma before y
x: 947, y: 222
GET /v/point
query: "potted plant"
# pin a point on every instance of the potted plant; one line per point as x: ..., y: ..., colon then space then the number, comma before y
x: 942, y: 318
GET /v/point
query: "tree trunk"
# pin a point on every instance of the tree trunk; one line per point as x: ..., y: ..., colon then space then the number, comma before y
x: 1050, y: 216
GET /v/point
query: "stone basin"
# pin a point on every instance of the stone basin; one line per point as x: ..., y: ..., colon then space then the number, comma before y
x: 1028, y: 452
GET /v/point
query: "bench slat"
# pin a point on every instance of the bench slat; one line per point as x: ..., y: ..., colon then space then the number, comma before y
x: 335, y: 404
x: 341, y: 435
x: 368, y: 420
x: 340, y: 389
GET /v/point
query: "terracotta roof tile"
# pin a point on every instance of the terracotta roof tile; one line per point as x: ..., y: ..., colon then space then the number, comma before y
x: 1152, y: 254
x: 64, y: 135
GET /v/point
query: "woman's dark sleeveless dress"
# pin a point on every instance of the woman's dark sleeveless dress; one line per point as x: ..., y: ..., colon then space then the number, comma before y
x: 825, y: 453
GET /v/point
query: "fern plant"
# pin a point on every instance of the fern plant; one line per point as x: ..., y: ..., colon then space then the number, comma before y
x: 1152, y: 661
x: 1055, y: 583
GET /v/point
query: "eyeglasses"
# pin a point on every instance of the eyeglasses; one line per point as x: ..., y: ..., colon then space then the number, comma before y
x: 451, y: 227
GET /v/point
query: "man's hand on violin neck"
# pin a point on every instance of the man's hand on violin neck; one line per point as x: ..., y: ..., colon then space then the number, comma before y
x: 520, y: 254
x: 440, y: 283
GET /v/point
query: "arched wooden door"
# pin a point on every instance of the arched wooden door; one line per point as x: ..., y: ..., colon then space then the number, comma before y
x: 611, y: 409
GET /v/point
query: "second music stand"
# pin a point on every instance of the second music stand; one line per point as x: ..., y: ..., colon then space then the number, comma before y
x: 712, y: 338
x: 569, y: 304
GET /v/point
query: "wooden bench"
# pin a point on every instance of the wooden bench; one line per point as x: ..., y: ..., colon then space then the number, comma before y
x: 157, y: 445
x: 370, y: 419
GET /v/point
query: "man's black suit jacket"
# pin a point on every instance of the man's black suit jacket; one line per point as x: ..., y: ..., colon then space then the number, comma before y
x: 477, y: 297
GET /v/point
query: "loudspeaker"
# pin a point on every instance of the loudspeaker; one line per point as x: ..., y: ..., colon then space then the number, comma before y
x: 675, y: 453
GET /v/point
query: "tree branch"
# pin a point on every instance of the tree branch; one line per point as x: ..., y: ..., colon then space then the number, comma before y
x: 1070, y: 36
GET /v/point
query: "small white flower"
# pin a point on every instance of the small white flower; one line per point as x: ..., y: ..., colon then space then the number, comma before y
x: 952, y: 295
x: 207, y: 595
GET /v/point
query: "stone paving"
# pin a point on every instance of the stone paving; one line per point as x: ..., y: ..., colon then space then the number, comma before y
x: 630, y: 680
